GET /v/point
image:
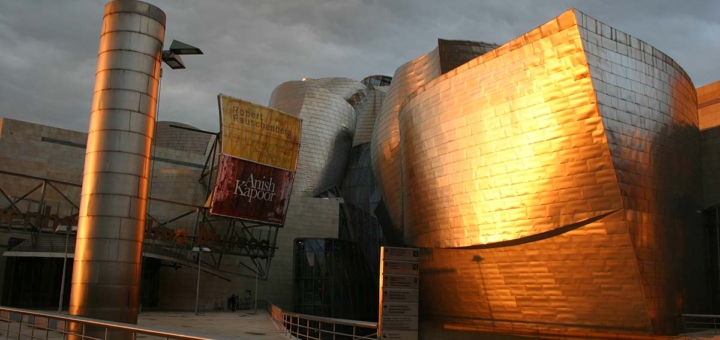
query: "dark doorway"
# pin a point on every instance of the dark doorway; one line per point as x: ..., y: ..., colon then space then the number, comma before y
x: 34, y: 282
x: 150, y: 285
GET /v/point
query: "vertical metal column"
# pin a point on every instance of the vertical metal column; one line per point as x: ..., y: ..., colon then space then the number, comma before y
x: 113, y: 206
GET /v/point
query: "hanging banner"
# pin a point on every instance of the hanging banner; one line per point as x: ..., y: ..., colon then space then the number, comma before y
x: 258, y: 133
x: 251, y: 191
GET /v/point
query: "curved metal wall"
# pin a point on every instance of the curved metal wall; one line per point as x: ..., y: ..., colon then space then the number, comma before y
x: 649, y: 111
x: 106, y: 278
x: 565, y: 166
x: 328, y: 109
x: 518, y: 151
x: 386, y: 134
x: 374, y: 97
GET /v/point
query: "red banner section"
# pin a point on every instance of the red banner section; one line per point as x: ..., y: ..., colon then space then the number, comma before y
x: 251, y: 191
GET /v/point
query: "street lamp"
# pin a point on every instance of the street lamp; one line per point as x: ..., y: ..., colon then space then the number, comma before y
x: 179, y: 47
x: 66, y: 230
x: 199, y: 250
x: 171, y: 57
x: 257, y: 271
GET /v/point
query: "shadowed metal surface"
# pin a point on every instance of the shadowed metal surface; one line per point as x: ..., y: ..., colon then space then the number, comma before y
x: 329, y: 108
x: 374, y: 97
x: 385, y: 145
x: 113, y: 205
x: 570, y: 155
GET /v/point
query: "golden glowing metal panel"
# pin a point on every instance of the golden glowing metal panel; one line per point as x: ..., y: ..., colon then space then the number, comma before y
x: 503, y: 148
x: 709, y: 110
x: 582, y: 280
x: 709, y: 105
x: 566, y: 162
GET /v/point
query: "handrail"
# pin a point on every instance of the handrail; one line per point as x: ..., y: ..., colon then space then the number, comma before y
x: 700, y: 315
x: 311, y: 327
x: 692, y: 323
x: 10, y: 315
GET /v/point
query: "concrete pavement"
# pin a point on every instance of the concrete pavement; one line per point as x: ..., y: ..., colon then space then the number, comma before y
x: 225, y: 324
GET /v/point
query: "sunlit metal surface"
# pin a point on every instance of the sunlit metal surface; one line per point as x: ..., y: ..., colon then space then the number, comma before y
x: 709, y: 105
x: 329, y: 109
x: 386, y: 136
x: 566, y: 162
x: 709, y: 111
x: 113, y: 205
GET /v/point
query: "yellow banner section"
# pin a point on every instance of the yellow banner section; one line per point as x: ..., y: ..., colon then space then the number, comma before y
x: 259, y: 134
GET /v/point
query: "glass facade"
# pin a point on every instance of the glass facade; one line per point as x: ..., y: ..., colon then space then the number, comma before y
x: 331, y: 279
x: 360, y: 201
x: 377, y: 80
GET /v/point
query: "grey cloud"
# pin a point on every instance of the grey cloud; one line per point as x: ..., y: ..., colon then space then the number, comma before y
x: 49, y: 48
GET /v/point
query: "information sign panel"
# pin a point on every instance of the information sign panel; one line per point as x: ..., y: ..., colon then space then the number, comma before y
x: 400, y: 308
x: 400, y: 281
x: 401, y: 267
x: 400, y: 323
x: 399, y: 335
x: 399, y: 293
x: 401, y: 254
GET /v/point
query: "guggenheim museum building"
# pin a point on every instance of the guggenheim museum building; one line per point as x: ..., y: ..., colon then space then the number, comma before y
x: 562, y: 184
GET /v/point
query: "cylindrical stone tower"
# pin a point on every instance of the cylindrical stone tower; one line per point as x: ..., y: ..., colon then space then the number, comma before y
x: 113, y: 206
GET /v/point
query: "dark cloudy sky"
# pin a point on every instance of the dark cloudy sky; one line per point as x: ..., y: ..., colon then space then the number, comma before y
x: 48, y: 48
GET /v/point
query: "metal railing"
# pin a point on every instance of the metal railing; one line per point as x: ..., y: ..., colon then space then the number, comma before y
x: 694, y: 323
x: 310, y: 327
x: 27, y: 324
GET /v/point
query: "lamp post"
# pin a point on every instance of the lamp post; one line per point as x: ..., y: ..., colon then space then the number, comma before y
x: 199, y: 250
x: 67, y: 231
x: 171, y: 57
x: 256, y: 282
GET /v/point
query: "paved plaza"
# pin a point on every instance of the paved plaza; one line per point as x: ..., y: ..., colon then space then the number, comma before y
x: 220, y: 324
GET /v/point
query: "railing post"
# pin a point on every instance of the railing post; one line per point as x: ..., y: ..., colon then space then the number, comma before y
x: 20, y: 326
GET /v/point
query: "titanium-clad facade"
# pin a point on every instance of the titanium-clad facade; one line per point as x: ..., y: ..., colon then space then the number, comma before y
x: 113, y: 204
x: 329, y: 109
x: 555, y: 182
x: 386, y: 137
x: 709, y: 111
x: 385, y: 145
